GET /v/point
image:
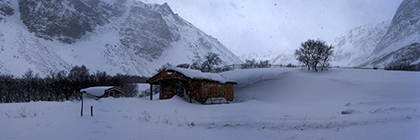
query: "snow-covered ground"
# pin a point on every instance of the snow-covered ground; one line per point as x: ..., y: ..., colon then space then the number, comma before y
x: 271, y: 103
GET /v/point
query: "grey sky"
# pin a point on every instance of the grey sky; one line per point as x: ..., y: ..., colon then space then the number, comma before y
x: 274, y: 26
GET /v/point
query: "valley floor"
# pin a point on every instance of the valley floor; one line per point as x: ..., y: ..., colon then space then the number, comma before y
x: 271, y: 103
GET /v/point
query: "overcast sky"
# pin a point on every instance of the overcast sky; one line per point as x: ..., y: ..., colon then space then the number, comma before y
x: 274, y: 26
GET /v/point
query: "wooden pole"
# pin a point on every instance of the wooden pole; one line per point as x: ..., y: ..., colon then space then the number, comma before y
x: 190, y: 96
x: 151, y: 92
x: 161, y: 88
x: 81, y: 112
x: 91, y: 110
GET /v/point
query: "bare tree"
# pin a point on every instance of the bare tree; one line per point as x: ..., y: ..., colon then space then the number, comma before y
x: 212, y: 60
x: 314, y: 54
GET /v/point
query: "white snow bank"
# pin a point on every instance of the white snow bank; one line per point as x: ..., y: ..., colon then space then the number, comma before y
x: 277, y: 104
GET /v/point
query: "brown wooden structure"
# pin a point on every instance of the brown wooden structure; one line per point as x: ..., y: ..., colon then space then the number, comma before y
x: 191, y: 83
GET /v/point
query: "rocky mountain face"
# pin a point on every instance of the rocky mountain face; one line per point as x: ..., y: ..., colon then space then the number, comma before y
x: 409, y: 55
x: 66, y: 20
x: 404, y: 29
x: 378, y: 45
x: 117, y: 36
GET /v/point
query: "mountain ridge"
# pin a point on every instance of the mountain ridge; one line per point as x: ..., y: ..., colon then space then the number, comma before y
x: 136, y: 41
x: 384, y: 43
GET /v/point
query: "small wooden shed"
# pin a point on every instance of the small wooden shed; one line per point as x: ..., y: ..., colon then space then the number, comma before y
x: 103, y: 92
x: 192, y: 83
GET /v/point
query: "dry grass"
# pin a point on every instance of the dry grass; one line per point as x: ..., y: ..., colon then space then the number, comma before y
x: 22, y: 112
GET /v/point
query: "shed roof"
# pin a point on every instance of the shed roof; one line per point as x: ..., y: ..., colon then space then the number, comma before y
x: 196, y: 74
x: 96, y: 91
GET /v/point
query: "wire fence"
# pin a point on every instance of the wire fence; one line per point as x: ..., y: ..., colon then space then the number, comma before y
x: 244, y: 66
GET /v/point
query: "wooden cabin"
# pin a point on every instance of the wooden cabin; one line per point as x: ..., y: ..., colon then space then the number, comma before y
x: 103, y: 92
x: 193, y: 84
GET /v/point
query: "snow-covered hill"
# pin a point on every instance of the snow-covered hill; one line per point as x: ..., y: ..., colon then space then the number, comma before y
x: 117, y: 36
x: 270, y: 103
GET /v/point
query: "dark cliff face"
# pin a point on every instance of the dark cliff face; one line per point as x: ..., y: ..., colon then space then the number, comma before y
x: 66, y: 20
x: 146, y: 31
x: 405, y: 23
x: 6, y: 9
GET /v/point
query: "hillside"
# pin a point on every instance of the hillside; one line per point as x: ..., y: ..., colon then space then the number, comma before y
x: 270, y: 103
x: 117, y: 36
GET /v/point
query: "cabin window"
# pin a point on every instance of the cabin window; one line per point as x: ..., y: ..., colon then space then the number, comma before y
x: 169, y: 73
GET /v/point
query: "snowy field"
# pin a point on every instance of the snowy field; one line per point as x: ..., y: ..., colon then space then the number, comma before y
x: 272, y: 103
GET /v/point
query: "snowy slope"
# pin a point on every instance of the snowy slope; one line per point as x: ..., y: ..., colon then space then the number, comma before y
x: 378, y: 45
x: 353, y: 47
x: 270, y: 103
x: 117, y: 36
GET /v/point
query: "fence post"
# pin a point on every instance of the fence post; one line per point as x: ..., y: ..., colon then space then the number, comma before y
x: 81, y: 111
x: 91, y: 110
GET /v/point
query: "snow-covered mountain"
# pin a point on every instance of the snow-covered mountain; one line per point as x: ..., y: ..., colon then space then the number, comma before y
x: 281, y: 58
x: 117, y: 36
x: 353, y: 47
x: 378, y: 45
x: 401, y: 37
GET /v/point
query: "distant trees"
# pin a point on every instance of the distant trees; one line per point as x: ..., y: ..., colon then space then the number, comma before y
x: 59, y: 86
x: 314, y: 54
x: 254, y: 64
x: 210, y: 63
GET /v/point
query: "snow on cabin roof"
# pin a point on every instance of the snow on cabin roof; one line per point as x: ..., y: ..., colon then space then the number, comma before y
x: 196, y: 74
x: 96, y: 91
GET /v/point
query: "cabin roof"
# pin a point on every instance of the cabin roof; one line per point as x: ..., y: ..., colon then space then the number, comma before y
x: 99, y: 90
x: 196, y: 74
